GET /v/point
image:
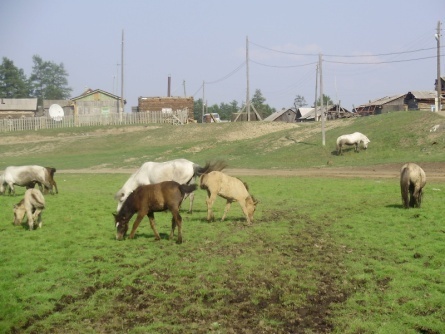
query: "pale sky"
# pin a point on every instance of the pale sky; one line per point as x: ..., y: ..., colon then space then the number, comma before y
x: 370, y: 49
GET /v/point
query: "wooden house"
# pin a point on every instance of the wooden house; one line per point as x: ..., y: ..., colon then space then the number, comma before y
x: 382, y: 105
x: 413, y: 100
x: 18, y: 108
x: 97, y: 102
x: 166, y: 104
x: 420, y: 100
x: 284, y: 115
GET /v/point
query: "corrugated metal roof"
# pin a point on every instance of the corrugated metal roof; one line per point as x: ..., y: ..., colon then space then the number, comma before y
x: 18, y: 104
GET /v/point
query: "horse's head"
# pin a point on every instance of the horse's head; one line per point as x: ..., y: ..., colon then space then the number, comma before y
x: 19, y: 212
x: 251, y: 203
x: 365, y: 142
x: 121, y: 222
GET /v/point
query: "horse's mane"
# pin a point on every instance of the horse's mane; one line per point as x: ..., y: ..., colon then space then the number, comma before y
x: 245, y: 184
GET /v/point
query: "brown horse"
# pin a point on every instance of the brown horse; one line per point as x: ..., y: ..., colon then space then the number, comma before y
x: 230, y: 188
x: 412, y: 181
x: 146, y: 200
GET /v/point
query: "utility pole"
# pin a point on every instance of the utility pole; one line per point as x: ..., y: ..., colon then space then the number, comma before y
x: 203, y: 95
x: 122, y: 73
x: 247, y: 74
x: 321, y: 104
x: 316, y: 89
x: 183, y: 83
x: 439, y: 81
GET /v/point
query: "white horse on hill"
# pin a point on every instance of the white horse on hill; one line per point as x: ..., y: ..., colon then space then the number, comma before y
x: 352, y: 139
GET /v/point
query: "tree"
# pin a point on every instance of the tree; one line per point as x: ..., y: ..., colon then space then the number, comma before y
x: 258, y: 102
x: 299, y: 102
x: 326, y: 100
x: 197, y: 110
x: 13, y: 81
x: 49, y: 80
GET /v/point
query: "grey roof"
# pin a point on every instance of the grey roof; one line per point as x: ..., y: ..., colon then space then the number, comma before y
x: 419, y: 94
x: 382, y: 100
x: 277, y: 114
x: 18, y: 104
x: 424, y: 94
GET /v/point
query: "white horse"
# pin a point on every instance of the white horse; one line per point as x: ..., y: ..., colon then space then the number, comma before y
x: 352, y: 139
x: 24, y: 176
x: 180, y: 170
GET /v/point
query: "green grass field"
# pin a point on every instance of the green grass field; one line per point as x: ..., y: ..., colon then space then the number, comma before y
x: 325, y: 255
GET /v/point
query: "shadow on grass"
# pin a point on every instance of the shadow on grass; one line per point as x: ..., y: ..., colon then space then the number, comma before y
x: 395, y: 206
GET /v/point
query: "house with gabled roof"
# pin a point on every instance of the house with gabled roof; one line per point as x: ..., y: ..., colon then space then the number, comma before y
x: 284, y: 115
x: 97, y: 102
x: 413, y: 100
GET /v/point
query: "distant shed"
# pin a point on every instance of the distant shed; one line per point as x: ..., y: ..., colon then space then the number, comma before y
x: 148, y: 104
x: 284, y: 115
x: 18, y: 108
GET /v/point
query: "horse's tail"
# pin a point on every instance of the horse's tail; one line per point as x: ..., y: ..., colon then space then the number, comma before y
x: 187, y: 188
x: 51, y: 171
x: 218, y: 165
x: 404, y: 186
x: 202, y: 181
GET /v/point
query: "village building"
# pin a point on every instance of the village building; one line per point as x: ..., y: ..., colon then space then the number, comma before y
x: 18, y: 108
x: 97, y: 102
x: 413, y: 100
x: 331, y: 112
x: 166, y: 105
x: 284, y: 115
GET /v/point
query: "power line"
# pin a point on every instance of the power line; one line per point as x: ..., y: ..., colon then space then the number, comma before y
x: 227, y: 75
x: 279, y: 66
x: 378, y: 62
x: 343, y: 56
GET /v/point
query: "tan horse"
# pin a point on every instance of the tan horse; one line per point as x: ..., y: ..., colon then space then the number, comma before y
x: 32, y: 204
x: 412, y: 181
x: 230, y: 188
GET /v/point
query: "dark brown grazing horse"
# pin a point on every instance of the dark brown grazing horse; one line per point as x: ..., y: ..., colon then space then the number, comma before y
x: 412, y: 181
x: 148, y: 199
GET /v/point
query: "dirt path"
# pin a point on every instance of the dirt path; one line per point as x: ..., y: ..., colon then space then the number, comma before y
x: 434, y: 171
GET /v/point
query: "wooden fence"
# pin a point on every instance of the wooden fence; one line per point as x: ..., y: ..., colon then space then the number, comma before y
x: 178, y: 117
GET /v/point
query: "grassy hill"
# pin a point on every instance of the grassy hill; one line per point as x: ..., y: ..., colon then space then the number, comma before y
x: 395, y: 137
